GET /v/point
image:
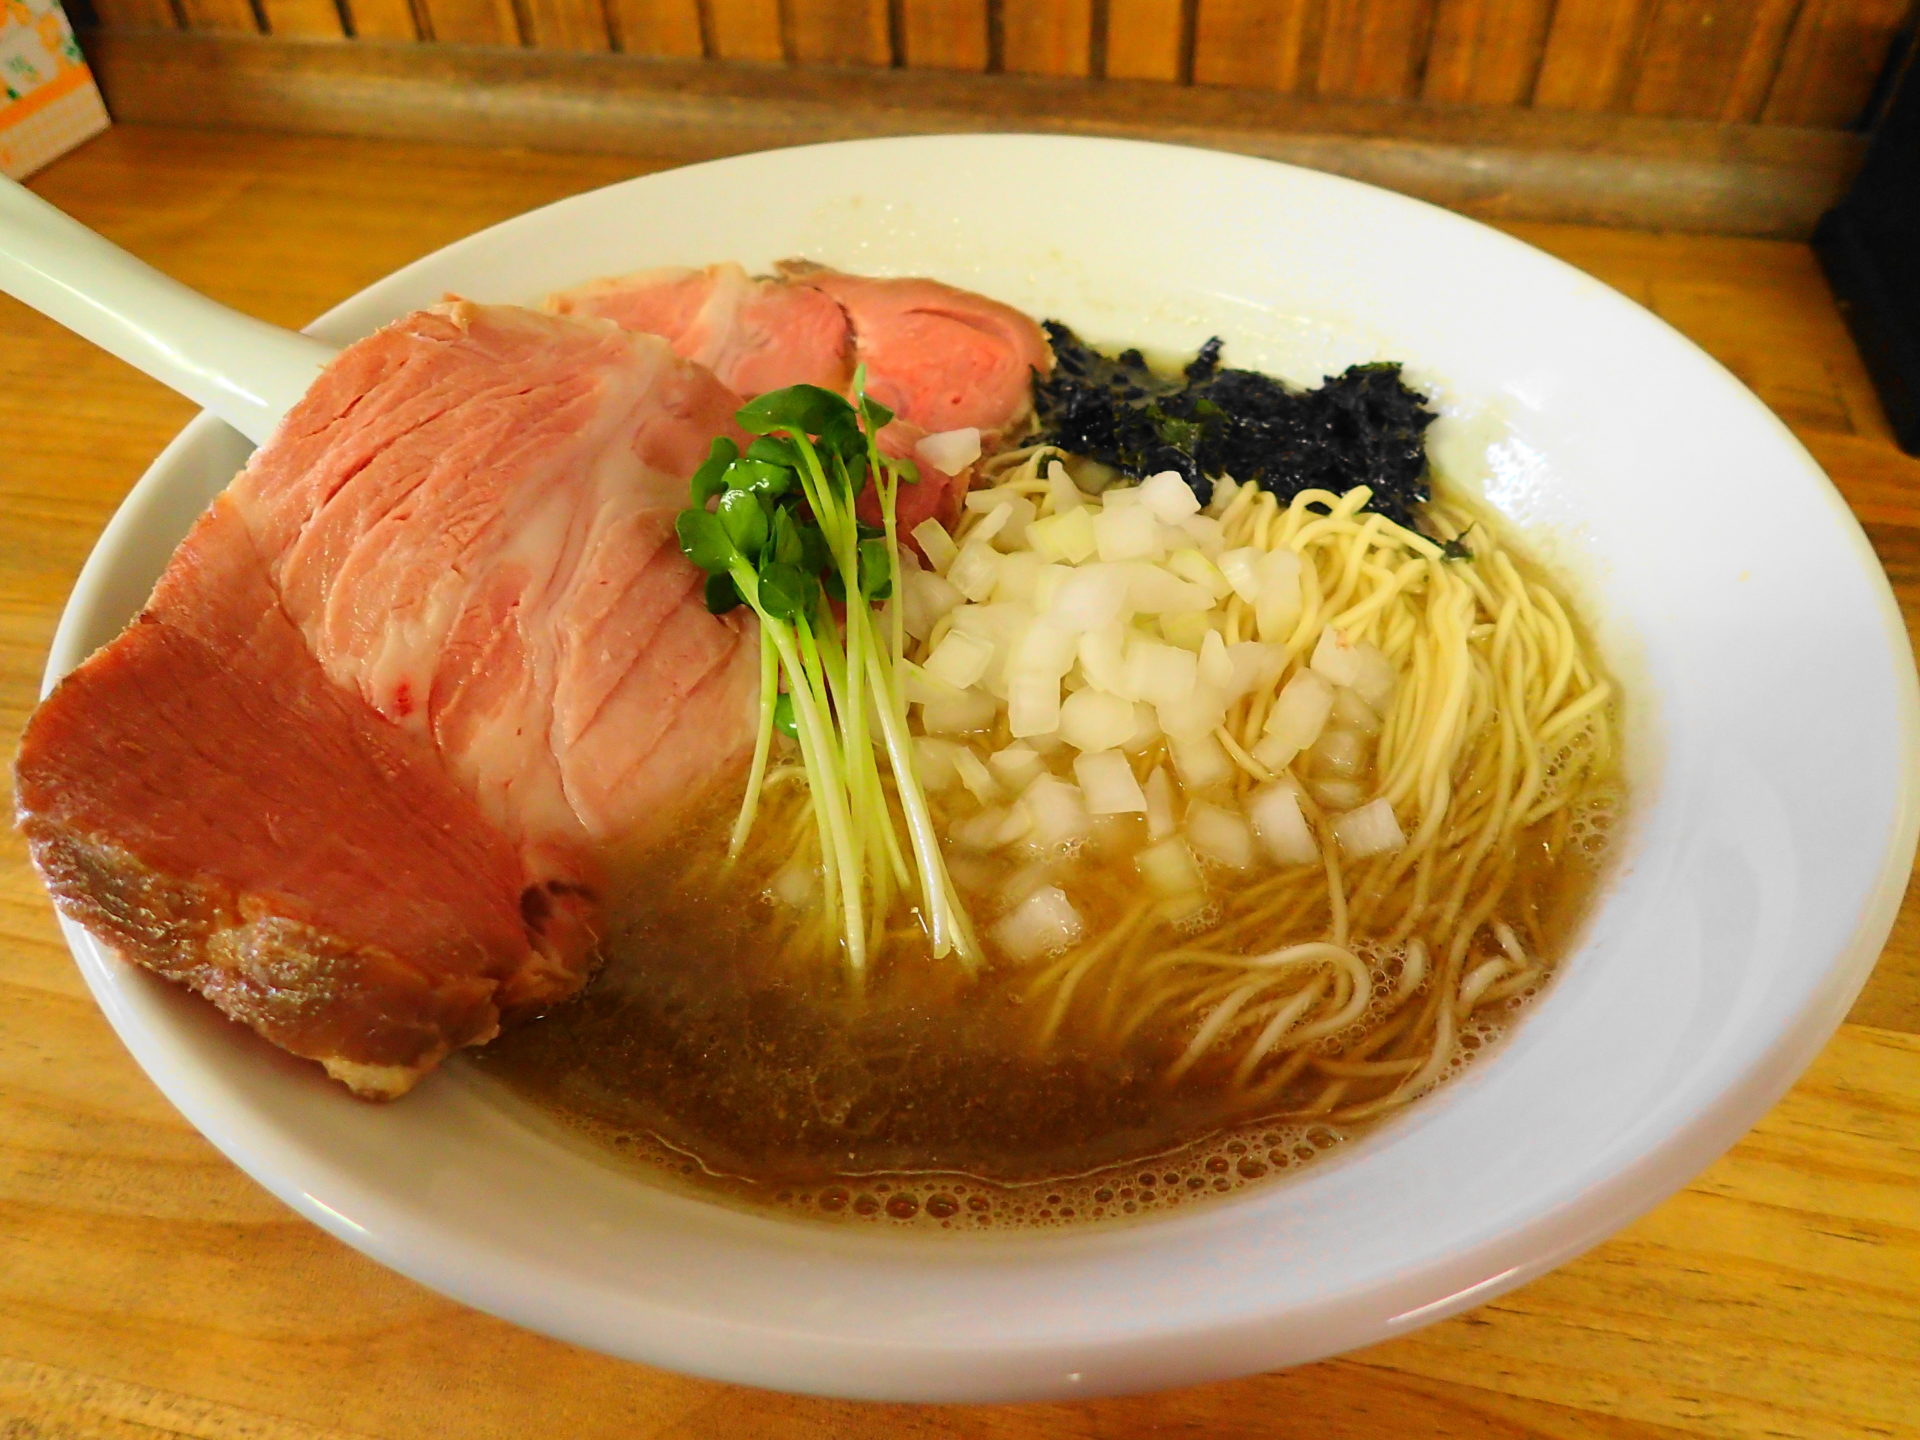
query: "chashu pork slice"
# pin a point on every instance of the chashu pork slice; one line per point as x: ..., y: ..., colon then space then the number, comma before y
x: 940, y: 357
x: 354, y: 772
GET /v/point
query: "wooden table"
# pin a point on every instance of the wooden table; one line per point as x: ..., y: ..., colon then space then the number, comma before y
x: 148, y: 1289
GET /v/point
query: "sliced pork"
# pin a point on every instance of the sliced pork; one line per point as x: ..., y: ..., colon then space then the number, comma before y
x: 941, y: 358
x: 435, y: 653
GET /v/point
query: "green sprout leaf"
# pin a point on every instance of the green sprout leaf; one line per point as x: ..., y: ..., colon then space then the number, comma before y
x: 762, y: 477
x: 707, y: 480
x: 704, y: 541
x: 801, y: 409
x: 743, y: 515
x: 775, y: 450
x: 786, y: 592
x: 876, y: 570
x: 722, y: 594
x: 783, y: 720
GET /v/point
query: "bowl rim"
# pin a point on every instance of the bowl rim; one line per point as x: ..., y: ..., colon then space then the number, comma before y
x: 1547, y: 1238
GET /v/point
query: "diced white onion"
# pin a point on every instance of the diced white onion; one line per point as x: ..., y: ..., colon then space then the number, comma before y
x: 1200, y: 760
x: 1033, y: 704
x: 1106, y: 779
x: 1277, y: 610
x: 1092, y: 597
x: 1159, y: 793
x: 1093, y: 719
x: 1158, y: 674
x: 1280, y: 824
x: 925, y: 596
x: 1374, y: 682
x: 1011, y: 522
x: 983, y: 830
x: 1216, y: 666
x: 1128, y: 532
x: 1205, y: 534
x: 935, y: 543
x: 1017, y: 764
x: 1371, y: 830
x: 933, y: 761
x: 1062, y: 491
x: 1018, y: 579
x: 1169, y: 497
x: 1064, y: 536
x: 975, y: 569
x: 1274, y: 753
x: 951, y: 451
x: 1256, y: 666
x: 1340, y: 752
x: 975, y: 776
x: 1219, y: 835
x: 1187, y: 629
x: 1154, y: 591
x: 1198, y: 712
x: 960, y: 659
x: 1045, y: 649
x: 1353, y: 712
x: 1334, y: 657
x: 1337, y: 794
x: 1191, y: 565
x: 1300, y: 712
x: 1043, y: 924
x: 1167, y: 865
x: 959, y: 714
x: 1241, y: 567
x: 1146, y: 729
x: 1056, y: 809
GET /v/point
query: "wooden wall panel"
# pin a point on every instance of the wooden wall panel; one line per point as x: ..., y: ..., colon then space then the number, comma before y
x: 944, y: 34
x: 746, y: 30
x: 1146, y: 39
x: 660, y: 28
x: 1373, y: 49
x: 472, y: 22
x: 1252, y: 42
x: 1590, y: 50
x: 1834, y: 56
x: 840, y: 32
x: 1486, y: 52
x: 136, y: 14
x: 568, y: 25
x: 1710, y: 59
x: 220, y: 17
x: 382, y: 19
x: 1046, y: 37
x: 303, y: 19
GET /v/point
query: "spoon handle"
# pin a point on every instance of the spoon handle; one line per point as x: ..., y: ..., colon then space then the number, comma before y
x: 244, y: 370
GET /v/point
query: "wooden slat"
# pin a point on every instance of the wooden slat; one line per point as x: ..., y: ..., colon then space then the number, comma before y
x: 1710, y: 59
x: 1510, y: 164
x: 1052, y: 38
x: 136, y: 14
x: 944, y: 34
x: 1372, y: 49
x: 1145, y: 39
x: 1486, y: 52
x: 1590, y: 50
x: 658, y: 27
x: 1833, y: 58
x: 568, y: 25
x: 746, y: 30
x: 471, y: 22
x: 382, y: 19
x: 1251, y: 42
x: 220, y: 17
x: 839, y: 32
x: 303, y: 19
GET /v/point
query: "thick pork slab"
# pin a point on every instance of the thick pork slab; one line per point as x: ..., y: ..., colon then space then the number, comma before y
x: 941, y: 358
x: 352, y: 772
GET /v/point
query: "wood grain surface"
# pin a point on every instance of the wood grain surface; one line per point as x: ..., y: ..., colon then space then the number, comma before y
x: 149, y: 1291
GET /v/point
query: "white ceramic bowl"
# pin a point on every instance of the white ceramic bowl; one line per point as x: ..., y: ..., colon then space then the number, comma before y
x: 1773, y: 712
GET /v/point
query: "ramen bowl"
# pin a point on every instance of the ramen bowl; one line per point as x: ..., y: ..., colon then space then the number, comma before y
x: 1771, y: 711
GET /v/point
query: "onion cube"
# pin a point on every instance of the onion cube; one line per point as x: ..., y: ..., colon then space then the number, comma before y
x: 1159, y: 793
x: 1188, y: 629
x: 1169, y: 497
x: 925, y: 596
x: 1094, y: 719
x: 1300, y: 712
x: 1191, y: 565
x: 1146, y: 729
x: 935, y: 543
x: 959, y: 714
x: 1241, y: 569
x: 1205, y: 534
x: 1033, y: 704
x: 1103, y: 657
x: 1065, y: 536
x: 1255, y: 666
x: 933, y: 761
x: 1334, y: 657
x: 1216, y: 667
x: 1017, y: 765
x: 1340, y: 752
x: 1338, y: 794
x: 1281, y: 825
x: 1158, y: 674
x: 1129, y: 532
x: 1274, y: 753
x: 975, y: 570
x: 975, y: 776
x: 1061, y: 489
x: 1154, y: 591
x: 1044, y: 649
x: 951, y: 451
x: 1106, y: 779
x: 1198, y: 712
x: 1043, y: 924
x: 1167, y: 865
x: 1200, y: 760
x: 1350, y: 710
x: 1370, y: 830
x: 1056, y: 811
x: 1220, y: 835
x: 1374, y: 682
x: 960, y: 659
x: 1092, y: 597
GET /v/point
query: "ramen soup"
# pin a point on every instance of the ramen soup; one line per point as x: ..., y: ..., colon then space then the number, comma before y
x: 1264, y: 811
